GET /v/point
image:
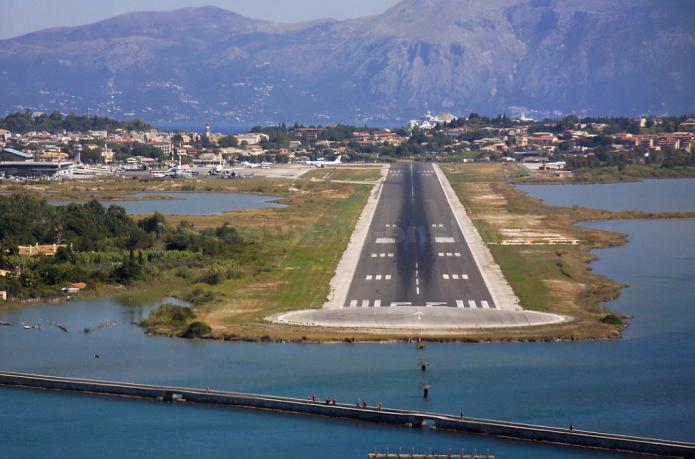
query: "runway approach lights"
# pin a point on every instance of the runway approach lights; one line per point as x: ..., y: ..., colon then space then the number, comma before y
x: 423, y: 364
x: 425, y: 389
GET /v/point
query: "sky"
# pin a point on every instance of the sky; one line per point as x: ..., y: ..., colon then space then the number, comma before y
x: 24, y: 16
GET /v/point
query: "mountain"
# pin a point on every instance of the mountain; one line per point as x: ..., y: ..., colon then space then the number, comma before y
x: 489, y: 56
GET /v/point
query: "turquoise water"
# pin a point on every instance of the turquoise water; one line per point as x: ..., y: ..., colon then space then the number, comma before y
x: 640, y: 385
x: 191, y: 203
x: 651, y: 195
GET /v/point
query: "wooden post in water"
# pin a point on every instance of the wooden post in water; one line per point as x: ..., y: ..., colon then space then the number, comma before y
x: 425, y: 389
x: 424, y: 364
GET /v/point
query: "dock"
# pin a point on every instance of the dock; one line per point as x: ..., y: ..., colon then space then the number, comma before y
x: 380, y: 415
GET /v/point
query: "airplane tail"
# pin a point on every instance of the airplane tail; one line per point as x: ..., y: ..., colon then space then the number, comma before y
x: 337, y: 160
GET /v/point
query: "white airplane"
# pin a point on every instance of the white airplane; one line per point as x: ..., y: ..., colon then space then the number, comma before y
x: 251, y: 165
x: 220, y: 170
x: 323, y: 163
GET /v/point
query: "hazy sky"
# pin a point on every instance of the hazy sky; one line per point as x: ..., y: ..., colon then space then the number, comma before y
x: 23, y: 16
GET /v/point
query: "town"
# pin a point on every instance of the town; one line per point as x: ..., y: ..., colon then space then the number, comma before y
x: 57, y: 146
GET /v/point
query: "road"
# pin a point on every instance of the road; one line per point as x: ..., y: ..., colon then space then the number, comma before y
x: 415, y: 253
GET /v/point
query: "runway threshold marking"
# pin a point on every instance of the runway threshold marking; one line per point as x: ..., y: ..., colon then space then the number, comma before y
x: 459, y: 303
x: 444, y: 240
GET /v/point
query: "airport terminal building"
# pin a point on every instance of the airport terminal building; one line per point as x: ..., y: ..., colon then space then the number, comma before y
x: 15, y: 163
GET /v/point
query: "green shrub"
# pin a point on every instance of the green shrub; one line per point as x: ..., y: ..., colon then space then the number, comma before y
x: 197, y: 330
x: 612, y: 319
x: 169, y: 314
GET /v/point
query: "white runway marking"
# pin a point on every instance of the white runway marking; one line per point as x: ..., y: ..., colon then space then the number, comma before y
x: 378, y: 277
x: 455, y: 276
x: 457, y: 254
x: 485, y: 305
x: 471, y: 303
x: 441, y: 254
x: 417, y: 290
x: 441, y: 226
x: 390, y: 255
x: 377, y: 303
x: 365, y: 303
x: 382, y: 255
x: 464, y: 276
x: 353, y: 303
x: 444, y: 240
x: 448, y: 254
x: 369, y: 277
x: 396, y: 303
x: 374, y: 255
x: 386, y: 240
x: 387, y: 277
x: 445, y: 276
x: 459, y: 303
x: 435, y: 303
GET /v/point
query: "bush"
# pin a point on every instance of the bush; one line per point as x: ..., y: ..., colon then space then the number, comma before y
x: 169, y: 314
x: 197, y: 330
x: 612, y: 319
x: 201, y: 296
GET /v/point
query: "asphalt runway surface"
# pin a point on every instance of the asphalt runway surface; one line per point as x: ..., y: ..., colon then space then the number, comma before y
x: 415, y: 253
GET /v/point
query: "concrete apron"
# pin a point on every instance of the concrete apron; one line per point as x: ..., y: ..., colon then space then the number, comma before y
x: 417, y: 318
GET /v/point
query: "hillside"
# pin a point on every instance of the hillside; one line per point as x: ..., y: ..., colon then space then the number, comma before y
x: 533, y: 56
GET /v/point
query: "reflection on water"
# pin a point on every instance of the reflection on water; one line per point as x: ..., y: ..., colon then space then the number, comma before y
x: 185, y: 203
x: 672, y: 195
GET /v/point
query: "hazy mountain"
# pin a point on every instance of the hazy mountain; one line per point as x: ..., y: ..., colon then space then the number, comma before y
x: 491, y: 56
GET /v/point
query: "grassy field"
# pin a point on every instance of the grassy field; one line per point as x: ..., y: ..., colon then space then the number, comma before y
x: 289, y: 264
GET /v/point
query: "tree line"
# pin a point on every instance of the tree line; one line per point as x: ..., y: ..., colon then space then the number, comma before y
x: 26, y: 121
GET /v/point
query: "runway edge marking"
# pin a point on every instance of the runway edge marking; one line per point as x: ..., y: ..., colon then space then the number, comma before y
x: 479, y: 250
x: 340, y: 283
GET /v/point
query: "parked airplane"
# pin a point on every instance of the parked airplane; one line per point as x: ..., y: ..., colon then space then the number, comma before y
x: 251, y: 165
x: 323, y: 163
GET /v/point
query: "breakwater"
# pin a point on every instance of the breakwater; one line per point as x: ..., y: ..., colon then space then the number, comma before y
x: 344, y: 411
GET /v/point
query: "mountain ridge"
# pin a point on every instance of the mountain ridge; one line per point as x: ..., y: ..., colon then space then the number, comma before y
x: 536, y: 56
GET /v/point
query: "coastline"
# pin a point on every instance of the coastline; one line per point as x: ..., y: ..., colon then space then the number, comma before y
x: 597, y: 289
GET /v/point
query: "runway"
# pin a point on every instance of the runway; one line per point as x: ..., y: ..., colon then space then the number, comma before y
x: 415, y: 253
x: 409, y: 265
